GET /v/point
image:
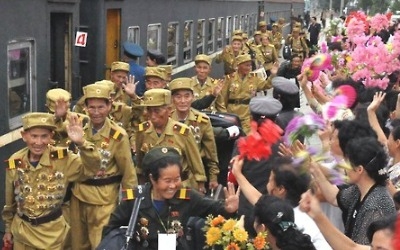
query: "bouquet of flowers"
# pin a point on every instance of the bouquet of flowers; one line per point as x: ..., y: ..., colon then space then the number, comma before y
x: 303, y: 126
x: 230, y: 236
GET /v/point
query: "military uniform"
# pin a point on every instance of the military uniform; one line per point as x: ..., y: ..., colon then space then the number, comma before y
x: 34, y: 193
x: 120, y: 94
x: 238, y: 91
x: 200, y: 90
x: 267, y: 56
x: 228, y: 57
x: 175, y: 134
x: 202, y: 130
x: 94, y: 199
x: 276, y: 38
x: 298, y: 45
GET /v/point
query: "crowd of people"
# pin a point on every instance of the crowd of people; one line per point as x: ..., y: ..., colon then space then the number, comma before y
x: 144, y: 134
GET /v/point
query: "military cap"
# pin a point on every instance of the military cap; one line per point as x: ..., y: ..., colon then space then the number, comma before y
x: 264, y: 105
x: 123, y: 66
x: 284, y: 85
x: 168, y: 71
x: 237, y: 32
x: 258, y: 32
x: 243, y: 58
x: 157, y: 72
x: 181, y: 83
x: 37, y: 119
x: 159, y: 153
x: 274, y: 25
x: 202, y: 58
x: 156, y: 97
x: 133, y: 49
x: 236, y: 37
x: 245, y: 35
x: 262, y: 23
x: 297, y: 24
x: 101, y: 91
x: 272, y: 19
x: 107, y: 83
x: 55, y: 94
x: 281, y: 19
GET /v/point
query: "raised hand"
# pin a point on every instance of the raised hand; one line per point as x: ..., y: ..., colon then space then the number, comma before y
x: 378, y: 99
x: 61, y: 108
x: 217, y: 89
x: 130, y: 86
x: 75, y: 130
x: 231, y: 198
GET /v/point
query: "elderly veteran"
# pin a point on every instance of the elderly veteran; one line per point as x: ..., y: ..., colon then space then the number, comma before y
x: 199, y: 123
x: 286, y: 91
x: 161, y: 130
x: 229, y: 54
x: 93, y: 200
x: 206, y: 87
x: 36, y: 182
x: 240, y: 88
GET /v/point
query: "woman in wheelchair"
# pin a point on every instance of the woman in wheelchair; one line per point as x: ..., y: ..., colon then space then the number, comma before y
x: 166, y: 207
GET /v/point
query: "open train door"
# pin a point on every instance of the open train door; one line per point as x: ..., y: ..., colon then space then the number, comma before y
x: 60, y: 51
x: 113, y: 38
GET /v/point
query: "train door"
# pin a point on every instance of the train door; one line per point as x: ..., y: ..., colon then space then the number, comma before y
x: 60, y: 51
x: 113, y: 38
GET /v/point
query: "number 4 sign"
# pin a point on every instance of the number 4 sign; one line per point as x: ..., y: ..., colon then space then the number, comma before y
x: 81, y: 39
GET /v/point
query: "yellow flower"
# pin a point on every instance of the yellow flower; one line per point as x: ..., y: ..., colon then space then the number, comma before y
x: 213, y: 235
x: 240, y: 234
x: 217, y: 220
x: 232, y: 246
x: 259, y: 241
x: 229, y: 225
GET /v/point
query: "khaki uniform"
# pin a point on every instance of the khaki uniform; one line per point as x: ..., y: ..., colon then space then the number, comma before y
x: 37, y: 191
x: 277, y: 40
x: 298, y: 45
x: 175, y: 135
x: 228, y: 57
x: 267, y: 56
x: 237, y: 93
x: 207, y: 88
x: 202, y: 130
x: 94, y: 200
x: 60, y: 134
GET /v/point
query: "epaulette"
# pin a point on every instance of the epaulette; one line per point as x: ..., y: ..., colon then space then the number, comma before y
x: 116, y: 134
x: 117, y: 106
x: 201, y: 118
x: 183, y: 194
x: 13, y: 163
x: 58, y: 153
x: 271, y: 45
x: 128, y: 194
x: 143, y: 126
x: 181, y: 129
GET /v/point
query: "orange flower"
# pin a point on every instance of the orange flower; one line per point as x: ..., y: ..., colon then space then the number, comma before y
x: 229, y: 225
x: 213, y: 235
x: 259, y: 241
x: 217, y: 221
x: 240, y: 235
x: 232, y: 246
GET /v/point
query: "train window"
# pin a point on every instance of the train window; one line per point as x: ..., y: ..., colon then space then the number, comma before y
x: 201, y: 30
x: 172, y: 43
x: 251, y: 27
x: 188, y: 42
x: 220, y: 30
x: 246, y: 23
x: 241, y: 24
x: 134, y: 34
x: 154, y: 37
x: 236, y: 23
x: 228, y: 29
x: 21, y: 86
x: 211, y: 36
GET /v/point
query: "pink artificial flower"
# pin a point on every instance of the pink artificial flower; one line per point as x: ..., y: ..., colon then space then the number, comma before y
x: 379, y: 22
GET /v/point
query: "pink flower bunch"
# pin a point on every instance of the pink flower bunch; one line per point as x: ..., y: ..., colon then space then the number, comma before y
x: 379, y: 22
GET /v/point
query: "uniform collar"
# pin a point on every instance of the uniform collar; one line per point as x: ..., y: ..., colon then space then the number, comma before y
x: 168, y: 130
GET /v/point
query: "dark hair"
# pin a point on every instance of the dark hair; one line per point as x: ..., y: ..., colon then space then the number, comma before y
x: 130, y: 56
x: 396, y: 132
x: 294, y: 181
x: 335, y: 46
x: 278, y: 216
x: 369, y: 153
x: 159, y: 164
x: 391, y: 99
x: 289, y: 101
x: 348, y: 130
x: 387, y: 222
x: 157, y: 57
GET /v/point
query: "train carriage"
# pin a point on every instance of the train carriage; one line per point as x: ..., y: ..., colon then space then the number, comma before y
x: 71, y: 43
